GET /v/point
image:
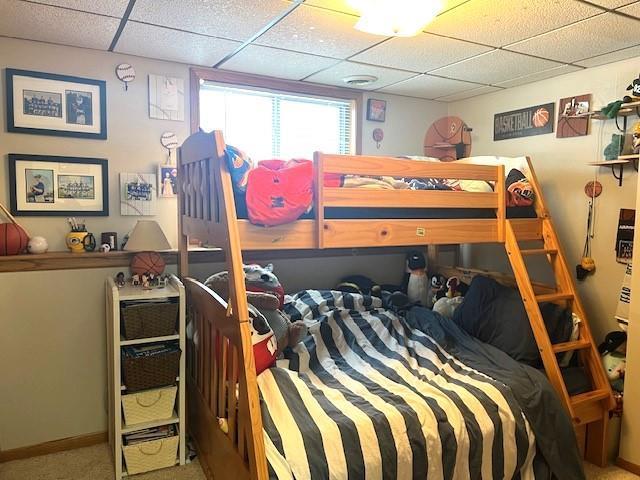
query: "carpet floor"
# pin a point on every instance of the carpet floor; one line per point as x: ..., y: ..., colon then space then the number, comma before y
x: 94, y: 463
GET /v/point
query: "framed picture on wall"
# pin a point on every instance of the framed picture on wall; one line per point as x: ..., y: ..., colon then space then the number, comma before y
x: 60, y: 105
x: 376, y: 110
x: 137, y: 194
x: 42, y: 185
x: 167, y: 181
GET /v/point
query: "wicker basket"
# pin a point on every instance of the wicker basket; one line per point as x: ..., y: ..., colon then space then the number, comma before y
x: 150, y: 372
x: 149, y: 320
x: 148, y: 406
x: 152, y: 455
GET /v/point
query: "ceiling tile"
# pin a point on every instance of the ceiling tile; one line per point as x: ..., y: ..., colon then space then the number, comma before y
x: 494, y: 67
x: 623, y: 54
x: 276, y: 63
x: 335, y: 74
x: 501, y: 22
x: 422, y: 53
x: 167, y: 44
x: 612, y: 3
x: 597, y: 35
x: 633, y: 9
x: 66, y: 27
x: 552, y: 72
x: 427, y: 86
x: 233, y: 19
x: 474, y: 92
x: 318, y: 31
x: 114, y: 8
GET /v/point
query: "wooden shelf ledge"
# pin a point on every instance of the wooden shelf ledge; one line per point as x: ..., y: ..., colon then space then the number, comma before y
x: 79, y: 261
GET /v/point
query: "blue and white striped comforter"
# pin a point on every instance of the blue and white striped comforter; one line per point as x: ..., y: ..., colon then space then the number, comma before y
x: 367, y: 397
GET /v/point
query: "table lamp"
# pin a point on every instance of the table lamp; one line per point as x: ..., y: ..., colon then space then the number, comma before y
x: 146, y: 238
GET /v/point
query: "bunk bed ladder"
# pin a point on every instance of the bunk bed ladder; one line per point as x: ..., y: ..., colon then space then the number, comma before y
x: 590, y: 409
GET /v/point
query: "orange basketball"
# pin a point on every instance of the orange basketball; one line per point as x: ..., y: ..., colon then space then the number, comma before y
x: 147, y: 262
x: 13, y: 239
x: 540, y: 117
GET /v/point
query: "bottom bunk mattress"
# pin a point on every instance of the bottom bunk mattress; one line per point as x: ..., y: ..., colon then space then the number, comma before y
x: 367, y: 396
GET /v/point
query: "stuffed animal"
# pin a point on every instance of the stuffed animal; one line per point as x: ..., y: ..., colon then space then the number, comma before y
x: 438, y: 287
x: 634, y: 87
x: 635, y: 131
x: 615, y: 364
x: 445, y: 306
x: 418, y: 282
x: 266, y: 301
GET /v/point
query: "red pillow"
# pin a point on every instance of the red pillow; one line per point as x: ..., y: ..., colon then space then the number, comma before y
x: 279, y: 192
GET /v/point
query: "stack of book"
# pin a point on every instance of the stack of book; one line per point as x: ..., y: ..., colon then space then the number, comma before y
x: 149, y: 434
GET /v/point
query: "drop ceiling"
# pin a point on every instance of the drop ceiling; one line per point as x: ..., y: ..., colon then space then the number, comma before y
x: 473, y: 47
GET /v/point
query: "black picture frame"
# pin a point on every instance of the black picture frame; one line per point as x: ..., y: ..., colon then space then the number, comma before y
x: 15, y: 176
x: 376, y: 110
x: 13, y: 125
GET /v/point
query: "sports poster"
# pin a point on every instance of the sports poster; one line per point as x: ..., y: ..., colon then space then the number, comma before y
x: 624, y: 238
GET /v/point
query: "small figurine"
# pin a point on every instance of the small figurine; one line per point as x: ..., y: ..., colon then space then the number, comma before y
x: 153, y: 280
x: 105, y: 247
x: 120, y: 282
x: 135, y: 280
x: 165, y: 281
x: 145, y: 282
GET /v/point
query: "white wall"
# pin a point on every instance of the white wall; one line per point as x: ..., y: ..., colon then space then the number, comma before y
x: 407, y: 120
x: 52, y: 340
x: 561, y: 167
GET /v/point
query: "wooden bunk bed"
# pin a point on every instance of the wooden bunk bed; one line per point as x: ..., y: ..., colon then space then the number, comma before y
x: 224, y: 358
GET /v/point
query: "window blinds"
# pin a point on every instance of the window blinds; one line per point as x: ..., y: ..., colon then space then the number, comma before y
x: 276, y: 125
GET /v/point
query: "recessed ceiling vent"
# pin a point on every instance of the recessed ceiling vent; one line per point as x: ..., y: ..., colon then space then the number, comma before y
x: 359, y: 80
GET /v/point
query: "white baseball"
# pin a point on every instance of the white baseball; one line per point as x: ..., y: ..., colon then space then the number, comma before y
x: 169, y: 140
x: 125, y: 72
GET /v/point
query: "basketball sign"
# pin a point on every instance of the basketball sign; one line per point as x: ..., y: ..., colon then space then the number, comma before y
x: 525, y: 122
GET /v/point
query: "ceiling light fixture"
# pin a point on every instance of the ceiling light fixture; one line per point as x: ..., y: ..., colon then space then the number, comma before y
x: 359, y: 80
x: 397, y: 18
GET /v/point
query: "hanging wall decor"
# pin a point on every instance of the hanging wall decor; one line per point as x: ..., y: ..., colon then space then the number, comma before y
x: 137, y: 194
x: 624, y: 237
x: 126, y: 74
x: 448, y: 138
x: 41, y: 185
x: 378, y: 136
x: 166, y: 98
x: 376, y: 110
x: 524, y: 122
x: 59, y: 105
x: 574, y: 116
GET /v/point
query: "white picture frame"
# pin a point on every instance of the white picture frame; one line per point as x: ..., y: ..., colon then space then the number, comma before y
x: 137, y: 194
x: 166, y: 98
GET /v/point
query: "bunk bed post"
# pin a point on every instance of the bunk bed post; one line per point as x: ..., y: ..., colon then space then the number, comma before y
x: 501, y: 212
x: 249, y: 414
x: 319, y: 197
x: 183, y: 240
x: 433, y: 252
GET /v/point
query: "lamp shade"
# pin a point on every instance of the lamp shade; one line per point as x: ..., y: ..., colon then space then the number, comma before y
x: 147, y: 236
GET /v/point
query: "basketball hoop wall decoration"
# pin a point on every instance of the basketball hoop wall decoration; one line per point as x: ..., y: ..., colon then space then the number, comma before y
x: 448, y: 139
x: 573, y: 116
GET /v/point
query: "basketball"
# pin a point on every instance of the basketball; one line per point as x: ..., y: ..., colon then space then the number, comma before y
x: 13, y: 239
x: 147, y: 262
x: 540, y: 117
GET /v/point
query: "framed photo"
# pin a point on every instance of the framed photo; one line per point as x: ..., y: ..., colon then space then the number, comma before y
x: 166, y: 98
x: 376, y: 110
x: 41, y: 185
x: 49, y: 104
x: 137, y: 194
x: 167, y: 181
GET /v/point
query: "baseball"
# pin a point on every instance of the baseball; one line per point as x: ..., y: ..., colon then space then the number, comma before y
x: 125, y: 72
x: 169, y: 140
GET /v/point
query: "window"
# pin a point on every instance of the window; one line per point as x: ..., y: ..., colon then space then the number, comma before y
x: 267, y: 124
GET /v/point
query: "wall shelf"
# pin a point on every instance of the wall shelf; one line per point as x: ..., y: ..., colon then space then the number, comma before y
x: 78, y: 261
x: 618, y: 165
